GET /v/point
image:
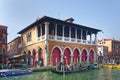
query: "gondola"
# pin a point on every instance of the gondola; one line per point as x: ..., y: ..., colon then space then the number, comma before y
x: 67, y: 72
x: 14, y: 72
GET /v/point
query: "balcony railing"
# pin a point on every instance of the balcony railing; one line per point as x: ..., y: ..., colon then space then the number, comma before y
x: 67, y: 39
x: 73, y: 40
x: 41, y: 38
x: 59, y: 38
x: 51, y: 37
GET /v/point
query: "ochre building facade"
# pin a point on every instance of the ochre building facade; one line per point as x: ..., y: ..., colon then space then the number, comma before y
x: 51, y: 40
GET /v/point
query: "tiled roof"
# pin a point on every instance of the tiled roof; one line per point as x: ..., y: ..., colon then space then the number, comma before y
x: 50, y: 19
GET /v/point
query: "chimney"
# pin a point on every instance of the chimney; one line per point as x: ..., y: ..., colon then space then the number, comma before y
x: 37, y: 19
x: 69, y: 20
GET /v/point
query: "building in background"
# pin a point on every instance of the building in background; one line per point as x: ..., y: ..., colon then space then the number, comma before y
x: 51, y: 40
x: 3, y: 44
x: 113, y: 47
x: 103, y: 54
x: 13, y: 47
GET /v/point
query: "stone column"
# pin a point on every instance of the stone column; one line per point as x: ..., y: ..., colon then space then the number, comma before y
x: 91, y: 38
x: 55, y: 31
x: 86, y: 37
x: 96, y: 38
x: 71, y: 57
x: 63, y: 33
x: 46, y: 30
x: 70, y: 34
x: 76, y: 34
x: 80, y: 57
x: 46, y: 43
x: 61, y: 58
x: 81, y: 36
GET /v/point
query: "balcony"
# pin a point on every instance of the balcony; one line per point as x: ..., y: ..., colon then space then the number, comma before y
x: 71, y: 40
x: 67, y: 39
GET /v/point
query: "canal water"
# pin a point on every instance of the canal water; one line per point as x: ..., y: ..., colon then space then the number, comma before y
x: 102, y: 74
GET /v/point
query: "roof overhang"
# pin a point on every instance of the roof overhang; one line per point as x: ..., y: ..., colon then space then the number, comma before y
x: 49, y: 19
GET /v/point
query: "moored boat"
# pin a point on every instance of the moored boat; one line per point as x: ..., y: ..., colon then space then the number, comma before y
x: 14, y: 72
x: 111, y: 66
x: 67, y: 72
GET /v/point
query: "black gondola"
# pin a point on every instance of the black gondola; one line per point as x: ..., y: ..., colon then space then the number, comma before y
x: 68, y: 72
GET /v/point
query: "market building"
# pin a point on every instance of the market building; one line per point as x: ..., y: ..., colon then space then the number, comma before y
x: 50, y: 40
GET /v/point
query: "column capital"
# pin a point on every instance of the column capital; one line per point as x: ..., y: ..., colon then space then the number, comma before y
x: 47, y: 23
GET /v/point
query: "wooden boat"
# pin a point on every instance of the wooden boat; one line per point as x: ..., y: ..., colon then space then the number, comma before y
x: 14, y: 72
x: 67, y: 72
x: 111, y: 66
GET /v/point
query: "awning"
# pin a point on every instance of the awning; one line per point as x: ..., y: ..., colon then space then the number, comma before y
x: 21, y: 56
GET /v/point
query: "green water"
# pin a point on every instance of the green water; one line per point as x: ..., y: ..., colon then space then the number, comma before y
x: 102, y: 74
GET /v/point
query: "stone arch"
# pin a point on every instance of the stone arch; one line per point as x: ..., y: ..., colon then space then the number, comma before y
x: 92, y: 55
x: 34, y: 57
x: 57, y: 47
x: 55, y: 56
x: 40, y: 56
x: 84, y: 55
x: 67, y: 55
x: 76, y: 55
x: 29, y: 57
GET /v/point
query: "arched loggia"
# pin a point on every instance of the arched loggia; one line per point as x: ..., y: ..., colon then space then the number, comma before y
x: 76, y: 57
x: 55, y: 56
x: 91, y: 56
x: 84, y: 55
x: 66, y: 56
x: 40, y: 57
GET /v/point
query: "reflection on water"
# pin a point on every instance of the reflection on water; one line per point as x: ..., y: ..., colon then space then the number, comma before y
x: 102, y: 74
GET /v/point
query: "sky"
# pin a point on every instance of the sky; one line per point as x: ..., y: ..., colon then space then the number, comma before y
x: 99, y: 14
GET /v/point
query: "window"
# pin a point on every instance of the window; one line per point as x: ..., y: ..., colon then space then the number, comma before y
x: 3, y: 51
x: 29, y: 37
x: 3, y: 41
x: 3, y: 31
x: 43, y: 29
x: 39, y: 31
